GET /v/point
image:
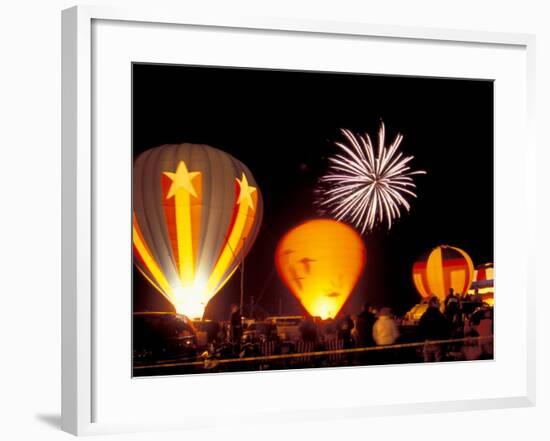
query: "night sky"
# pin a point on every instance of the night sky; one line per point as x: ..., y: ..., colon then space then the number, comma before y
x: 283, y: 125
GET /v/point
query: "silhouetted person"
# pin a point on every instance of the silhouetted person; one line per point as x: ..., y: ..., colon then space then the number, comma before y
x: 212, y: 331
x: 344, y: 332
x: 452, y: 310
x: 433, y: 326
x: 482, y: 322
x: 451, y: 302
x: 355, y: 334
x: 249, y: 348
x: 235, y: 324
x: 308, y: 330
x: 329, y: 329
x: 365, y: 323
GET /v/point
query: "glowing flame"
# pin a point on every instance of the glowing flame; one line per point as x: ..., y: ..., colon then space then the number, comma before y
x: 190, y: 300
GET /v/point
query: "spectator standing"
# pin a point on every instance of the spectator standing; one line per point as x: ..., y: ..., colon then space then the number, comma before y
x: 308, y: 330
x: 453, y: 314
x: 471, y: 349
x: 365, y: 323
x: 329, y: 329
x: 355, y: 333
x: 483, y: 325
x: 477, y: 297
x: 385, y: 330
x: 235, y: 324
x: 452, y: 307
x: 344, y: 332
x: 433, y: 326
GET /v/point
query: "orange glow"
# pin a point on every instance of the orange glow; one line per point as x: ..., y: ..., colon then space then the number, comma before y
x: 320, y: 262
x: 442, y: 268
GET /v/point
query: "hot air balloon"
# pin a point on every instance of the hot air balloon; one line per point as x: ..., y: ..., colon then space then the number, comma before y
x: 442, y: 268
x: 320, y: 262
x: 196, y: 213
x: 484, y: 282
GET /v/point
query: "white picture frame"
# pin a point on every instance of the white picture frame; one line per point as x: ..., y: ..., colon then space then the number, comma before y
x: 79, y: 202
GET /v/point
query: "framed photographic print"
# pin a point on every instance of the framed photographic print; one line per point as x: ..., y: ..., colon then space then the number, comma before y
x: 257, y: 207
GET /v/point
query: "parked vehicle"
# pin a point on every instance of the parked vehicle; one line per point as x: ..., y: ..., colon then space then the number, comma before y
x: 288, y: 327
x: 207, y: 331
x: 412, y: 317
x: 159, y: 336
x: 257, y: 331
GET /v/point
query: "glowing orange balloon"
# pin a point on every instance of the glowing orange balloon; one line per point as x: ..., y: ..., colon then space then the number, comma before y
x: 320, y: 262
x: 442, y: 268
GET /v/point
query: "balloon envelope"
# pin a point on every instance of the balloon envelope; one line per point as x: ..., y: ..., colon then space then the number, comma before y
x: 442, y: 268
x: 196, y: 212
x: 320, y: 262
x: 483, y: 282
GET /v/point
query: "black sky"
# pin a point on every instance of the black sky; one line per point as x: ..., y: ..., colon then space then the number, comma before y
x: 283, y: 124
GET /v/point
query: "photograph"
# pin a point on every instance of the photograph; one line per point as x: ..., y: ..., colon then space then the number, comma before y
x: 286, y: 219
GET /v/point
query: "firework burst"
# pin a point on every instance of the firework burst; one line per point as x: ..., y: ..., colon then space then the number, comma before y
x: 364, y: 187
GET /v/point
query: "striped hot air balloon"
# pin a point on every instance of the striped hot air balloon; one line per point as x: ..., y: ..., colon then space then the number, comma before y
x: 484, y: 282
x: 196, y: 213
x: 442, y: 268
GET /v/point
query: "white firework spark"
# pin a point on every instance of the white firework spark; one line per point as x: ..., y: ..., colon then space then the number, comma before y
x: 365, y: 187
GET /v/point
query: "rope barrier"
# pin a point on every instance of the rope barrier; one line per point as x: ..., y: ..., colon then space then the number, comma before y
x: 314, y: 353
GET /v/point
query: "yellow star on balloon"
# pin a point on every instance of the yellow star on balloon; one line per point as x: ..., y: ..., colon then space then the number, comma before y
x: 182, y: 179
x: 246, y: 192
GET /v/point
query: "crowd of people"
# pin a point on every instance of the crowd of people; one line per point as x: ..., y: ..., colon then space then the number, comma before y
x: 438, y: 324
x: 445, y: 329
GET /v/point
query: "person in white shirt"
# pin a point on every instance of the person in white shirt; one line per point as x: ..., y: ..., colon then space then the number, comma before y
x: 385, y: 331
